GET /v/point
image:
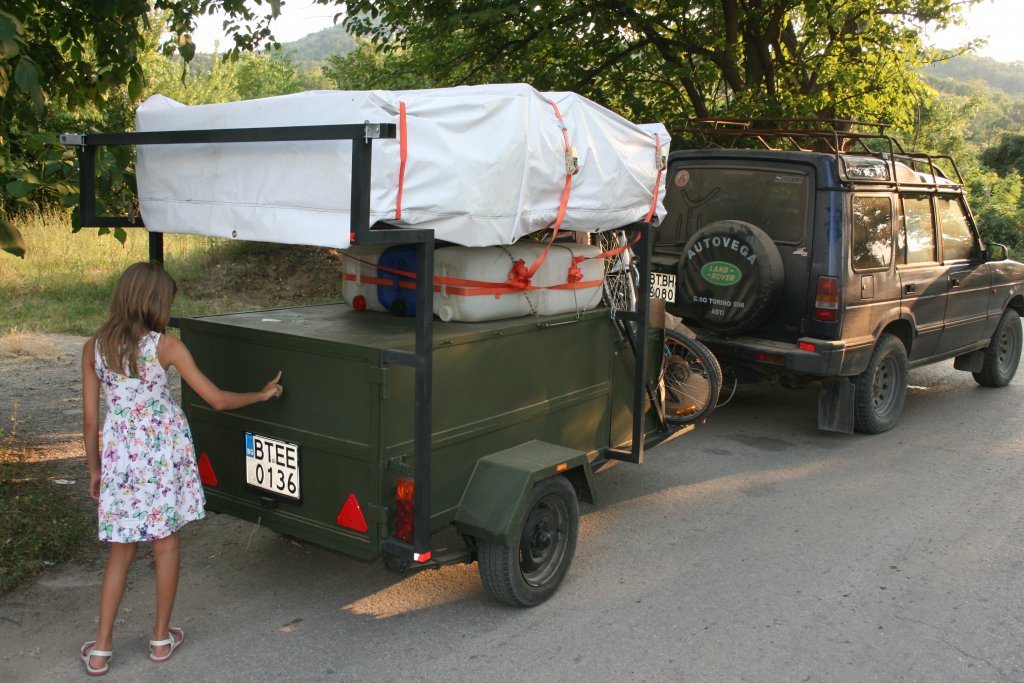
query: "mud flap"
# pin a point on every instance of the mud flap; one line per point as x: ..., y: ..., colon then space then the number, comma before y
x: 970, y: 362
x: 835, y: 405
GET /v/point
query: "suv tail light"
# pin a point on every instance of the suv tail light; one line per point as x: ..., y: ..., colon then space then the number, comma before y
x: 826, y: 299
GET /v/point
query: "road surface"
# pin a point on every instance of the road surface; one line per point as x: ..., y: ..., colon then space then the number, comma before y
x: 753, y: 549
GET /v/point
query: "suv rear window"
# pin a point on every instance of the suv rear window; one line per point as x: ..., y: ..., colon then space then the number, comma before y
x: 872, y: 232
x: 772, y: 199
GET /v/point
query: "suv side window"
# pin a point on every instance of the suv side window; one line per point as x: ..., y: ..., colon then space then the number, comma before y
x: 957, y: 240
x: 918, y: 243
x: 872, y: 232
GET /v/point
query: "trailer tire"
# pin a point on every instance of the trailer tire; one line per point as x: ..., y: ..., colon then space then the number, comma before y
x: 529, y: 572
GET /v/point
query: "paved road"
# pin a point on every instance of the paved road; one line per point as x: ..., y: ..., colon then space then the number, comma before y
x: 754, y: 549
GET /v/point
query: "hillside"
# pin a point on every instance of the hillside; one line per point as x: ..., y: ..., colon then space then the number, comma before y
x: 1007, y: 77
x: 316, y: 47
x: 312, y: 50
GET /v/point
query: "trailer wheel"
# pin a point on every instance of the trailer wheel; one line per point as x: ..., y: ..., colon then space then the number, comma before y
x: 527, y: 573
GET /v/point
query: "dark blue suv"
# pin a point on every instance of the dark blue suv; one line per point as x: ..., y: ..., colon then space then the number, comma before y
x: 831, y: 260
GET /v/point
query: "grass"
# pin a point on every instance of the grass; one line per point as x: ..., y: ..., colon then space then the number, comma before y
x: 63, y: 284
x: 41, y: 524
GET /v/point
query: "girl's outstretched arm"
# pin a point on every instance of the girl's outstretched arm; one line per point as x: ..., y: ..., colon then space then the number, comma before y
x: 91, y: 415
x: 171, y: 351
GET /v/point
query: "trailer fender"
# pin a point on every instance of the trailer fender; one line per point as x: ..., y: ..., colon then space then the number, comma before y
x: 500, y: 486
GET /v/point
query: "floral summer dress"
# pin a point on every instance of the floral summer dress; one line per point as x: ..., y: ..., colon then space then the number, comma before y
x: 149, y: 483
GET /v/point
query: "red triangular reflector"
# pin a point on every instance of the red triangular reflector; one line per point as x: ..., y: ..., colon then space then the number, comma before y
x: 206, y: 473
x: 351, y: 515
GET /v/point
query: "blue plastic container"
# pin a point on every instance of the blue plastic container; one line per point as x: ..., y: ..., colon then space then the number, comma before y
x: 392, y: 296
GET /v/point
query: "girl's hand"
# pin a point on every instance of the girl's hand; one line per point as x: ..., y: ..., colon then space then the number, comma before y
x: 94, y: 485
x: 272, y: 389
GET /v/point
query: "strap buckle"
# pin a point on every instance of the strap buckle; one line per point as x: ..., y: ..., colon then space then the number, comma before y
x: 572, y: 162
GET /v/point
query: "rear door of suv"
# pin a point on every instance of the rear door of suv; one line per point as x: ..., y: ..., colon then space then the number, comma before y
x: 776, y: 196
x: 872, y: 296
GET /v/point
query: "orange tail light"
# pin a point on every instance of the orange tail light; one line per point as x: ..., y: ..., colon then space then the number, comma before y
x: 403, y: 509
x: 826, y: 299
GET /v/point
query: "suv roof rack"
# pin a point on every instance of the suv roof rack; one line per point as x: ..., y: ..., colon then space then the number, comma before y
x: 842, y: 138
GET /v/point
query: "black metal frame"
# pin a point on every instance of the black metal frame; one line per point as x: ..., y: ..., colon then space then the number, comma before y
x: 638, y: 320
x: 839, y: 138
x: 421, y: 360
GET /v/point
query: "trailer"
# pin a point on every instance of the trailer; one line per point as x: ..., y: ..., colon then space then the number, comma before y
x: 398, y: 433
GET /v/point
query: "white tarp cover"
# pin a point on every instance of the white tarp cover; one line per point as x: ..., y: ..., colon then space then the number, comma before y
x: 485, y: 166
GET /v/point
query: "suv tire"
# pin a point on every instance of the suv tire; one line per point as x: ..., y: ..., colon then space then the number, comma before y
x: 882, y: 388
x: 1003, y: 354
x: 732, y: 276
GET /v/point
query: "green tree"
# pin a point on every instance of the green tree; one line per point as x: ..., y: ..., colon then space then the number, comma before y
x: 368, y: 67
x: 70, y: 55
x: 999, y: 191
x: 1007, y: 156
x: 997, y: 205
x: 961, y: 120
x: 667, y: 59
x: 248, y: 77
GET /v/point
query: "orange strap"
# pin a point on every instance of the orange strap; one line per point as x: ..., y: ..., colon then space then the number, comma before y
x: 520, y: 276
x: 657, y: 182
x: 403, y: 147
x: 458, y: 286
x: 576, y: 260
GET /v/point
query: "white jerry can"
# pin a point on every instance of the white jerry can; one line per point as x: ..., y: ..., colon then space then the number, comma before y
x: 469, y: 303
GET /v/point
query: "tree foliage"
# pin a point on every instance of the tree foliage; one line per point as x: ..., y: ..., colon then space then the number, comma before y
x: 1007, y: 156
x: 668, y: 59
x: 962, y: 120
x: 83, y: 56
x: 367, y: 67
x: 248, y: 77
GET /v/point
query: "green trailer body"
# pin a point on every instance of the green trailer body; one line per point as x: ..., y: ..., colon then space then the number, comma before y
x: 495, y: 427
x: 497, y: 385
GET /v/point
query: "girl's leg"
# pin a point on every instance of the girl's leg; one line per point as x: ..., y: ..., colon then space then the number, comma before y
x: 166, y: 551
x: 114, y: 578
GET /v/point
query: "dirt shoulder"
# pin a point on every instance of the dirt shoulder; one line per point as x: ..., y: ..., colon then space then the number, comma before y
x: 41, y: 378
x: 41, y: 404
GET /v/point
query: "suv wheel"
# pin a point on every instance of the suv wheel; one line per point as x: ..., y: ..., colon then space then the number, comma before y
x: 882, y: 388
x: 1003, y: 355
x: 731, y: 274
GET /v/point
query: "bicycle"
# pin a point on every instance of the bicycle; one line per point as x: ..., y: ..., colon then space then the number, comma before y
x: 690, y: 378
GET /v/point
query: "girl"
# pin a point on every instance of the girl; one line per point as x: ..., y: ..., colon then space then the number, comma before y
x: 145, y: 475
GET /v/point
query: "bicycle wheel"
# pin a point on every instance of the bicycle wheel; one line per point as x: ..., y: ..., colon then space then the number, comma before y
x: 621, y: 277
x: 691, y: 379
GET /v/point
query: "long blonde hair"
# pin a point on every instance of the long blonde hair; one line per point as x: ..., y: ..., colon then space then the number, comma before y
x: 141, y: 304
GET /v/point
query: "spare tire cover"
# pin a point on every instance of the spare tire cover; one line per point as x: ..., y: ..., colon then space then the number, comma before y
x: 731, y: 276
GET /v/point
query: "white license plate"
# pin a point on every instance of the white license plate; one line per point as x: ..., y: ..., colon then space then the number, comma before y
x: 663, y: 286
x: 272, y: 465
